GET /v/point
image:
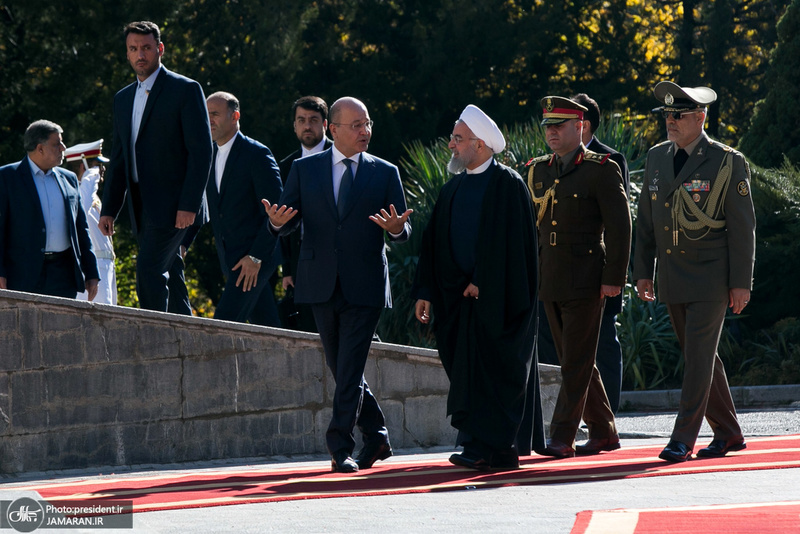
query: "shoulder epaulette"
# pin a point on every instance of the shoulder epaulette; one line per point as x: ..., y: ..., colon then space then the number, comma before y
x: 595, y: 157
x: 540, y: 159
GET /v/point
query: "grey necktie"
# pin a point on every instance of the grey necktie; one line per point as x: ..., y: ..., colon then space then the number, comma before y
x: 344, y: 187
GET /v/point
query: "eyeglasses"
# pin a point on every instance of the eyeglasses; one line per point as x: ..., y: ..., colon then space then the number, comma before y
x: 678, y: 115
x: 357, y: 126
x: 457, y: 139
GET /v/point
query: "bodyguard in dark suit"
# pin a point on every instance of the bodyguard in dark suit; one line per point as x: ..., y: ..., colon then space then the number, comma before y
x: 584, y: 246
x: 609, y: 351
x: 45, y: 246
x: 696, y: 227
x: 242, y: 173
x: 309, y: 121
x: 346, y: 199
x: 160, y: 158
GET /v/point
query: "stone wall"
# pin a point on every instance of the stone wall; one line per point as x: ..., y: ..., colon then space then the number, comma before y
x: 86, y: 384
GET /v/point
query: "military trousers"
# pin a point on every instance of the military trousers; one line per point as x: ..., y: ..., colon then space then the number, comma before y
x: 575, y: 325
x: 705, y: 391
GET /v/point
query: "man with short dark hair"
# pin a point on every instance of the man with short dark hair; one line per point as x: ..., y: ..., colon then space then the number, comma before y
x: 310, y: 122
x: 347, y: 201
x: 45, y: 246
x: 160, y: 160
x: 609, y: 351
x: 696, y: 227
x: 243, y: 172
x: 585, y: 237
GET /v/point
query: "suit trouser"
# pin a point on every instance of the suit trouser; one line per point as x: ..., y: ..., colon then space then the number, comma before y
x: 346, y: 332
x: 257, y: 305
x: 609, y: 359
x: 159, y: 270
x: 705, y: 391
x: 545, y: 350
x: 575, y: 325
x: 58, y: 276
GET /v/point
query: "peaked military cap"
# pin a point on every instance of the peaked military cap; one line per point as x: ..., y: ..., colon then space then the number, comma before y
x: 557, y: 109
x: 86, y: 150
x: 677, y: 98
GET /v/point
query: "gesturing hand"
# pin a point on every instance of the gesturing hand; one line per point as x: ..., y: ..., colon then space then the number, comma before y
x: 390, y: 221
x: 278, y: 216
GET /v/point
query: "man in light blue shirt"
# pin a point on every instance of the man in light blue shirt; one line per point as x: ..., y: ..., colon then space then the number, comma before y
x: 45, y: 246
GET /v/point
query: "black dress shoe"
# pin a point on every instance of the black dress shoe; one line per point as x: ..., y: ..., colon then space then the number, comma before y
x: 342, y: 463
x: 675, y: 451
x: 373, y: 452
x: 720, y: 447
x: 556, y: 449
x: 504, y: 459
x: 597, y: 445
x: 467, y: 459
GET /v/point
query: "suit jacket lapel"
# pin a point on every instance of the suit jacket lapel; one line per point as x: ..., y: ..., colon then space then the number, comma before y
x: 670, y: 180
x: 126, y: 103
x: 211, y: 186
x: 61, y: 181
x: 326, y: 175
x: 26, y: 176
x: 227, y: 174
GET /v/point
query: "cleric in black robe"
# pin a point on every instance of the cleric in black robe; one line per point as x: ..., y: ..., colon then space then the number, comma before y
x: 477, y: 274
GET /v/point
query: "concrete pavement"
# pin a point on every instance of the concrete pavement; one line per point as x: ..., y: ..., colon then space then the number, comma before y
x: 541, y: 509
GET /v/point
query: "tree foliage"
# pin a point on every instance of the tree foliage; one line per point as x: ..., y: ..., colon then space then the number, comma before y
x: 773, y: 133
x: 415, y: 63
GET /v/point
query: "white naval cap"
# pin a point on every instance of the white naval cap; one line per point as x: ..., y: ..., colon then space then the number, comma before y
x: 484, y: 128
x: 87, y: 150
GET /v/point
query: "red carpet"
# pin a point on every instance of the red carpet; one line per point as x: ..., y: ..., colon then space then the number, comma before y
x: 154, y: 491
x: 763, y: 518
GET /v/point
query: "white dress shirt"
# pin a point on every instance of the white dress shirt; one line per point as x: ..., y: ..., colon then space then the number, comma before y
x: 313, y: 150
x: 223, y: 152
x: 139, y: 102
x: 54, y: 209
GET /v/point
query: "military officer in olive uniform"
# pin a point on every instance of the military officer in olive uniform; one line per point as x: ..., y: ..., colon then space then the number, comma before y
x: 696, y: 226
x: 584, y: 245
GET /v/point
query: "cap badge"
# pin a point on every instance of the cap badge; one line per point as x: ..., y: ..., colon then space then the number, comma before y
x: 669, y: 99
x: 548, y: 104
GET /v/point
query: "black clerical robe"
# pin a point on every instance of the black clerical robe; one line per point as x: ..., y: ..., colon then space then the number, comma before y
x: 486, y: 344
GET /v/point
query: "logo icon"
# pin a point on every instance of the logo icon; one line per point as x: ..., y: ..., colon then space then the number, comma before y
x: 548, y: 104
x: 25, y: 515
x: 669, y: 99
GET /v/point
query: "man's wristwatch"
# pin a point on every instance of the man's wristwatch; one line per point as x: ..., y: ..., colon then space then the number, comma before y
x: 254, y: 259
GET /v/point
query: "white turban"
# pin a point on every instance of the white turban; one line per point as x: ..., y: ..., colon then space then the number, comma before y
x: 484, y: 128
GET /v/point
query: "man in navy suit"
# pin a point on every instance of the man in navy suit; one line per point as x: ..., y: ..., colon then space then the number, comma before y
x: 160, y: 157
x: 309, y: 121
x: 346, y: 199
x: 45, y: 246
x: 609, y: 351
x: 243, y: 172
